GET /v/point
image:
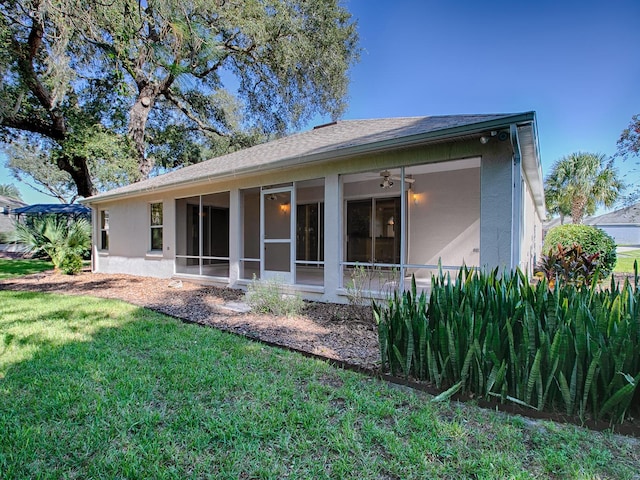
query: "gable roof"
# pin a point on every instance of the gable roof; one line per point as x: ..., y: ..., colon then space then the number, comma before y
x: 334, y: 140
x: 630, y: 214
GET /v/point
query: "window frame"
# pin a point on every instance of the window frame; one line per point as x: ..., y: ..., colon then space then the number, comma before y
x: 104, y: 230
x: 153, y: 227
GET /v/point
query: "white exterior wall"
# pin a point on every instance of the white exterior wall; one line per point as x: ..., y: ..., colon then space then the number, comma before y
x: 532, y: 233
x: 130, y: 238
x: 332, y: 238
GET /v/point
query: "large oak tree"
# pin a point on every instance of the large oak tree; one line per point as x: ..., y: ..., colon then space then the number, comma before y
x: 166, y: 82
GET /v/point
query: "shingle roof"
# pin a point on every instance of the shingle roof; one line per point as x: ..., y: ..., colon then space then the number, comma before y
x: 333, y: 140
x: 54, y: 208
x: 630, y: 214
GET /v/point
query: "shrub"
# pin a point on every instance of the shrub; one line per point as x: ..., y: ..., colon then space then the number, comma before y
x: 71, y: 264
x: 356, y: 286
x: 590, y: 238
x: 55, y: 237
x: 268, y: 296
x: 571, y: 348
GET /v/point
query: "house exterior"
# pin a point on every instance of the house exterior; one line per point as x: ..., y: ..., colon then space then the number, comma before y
x: 388, y: 197
x: 7, y: 208
x: 623, y: 225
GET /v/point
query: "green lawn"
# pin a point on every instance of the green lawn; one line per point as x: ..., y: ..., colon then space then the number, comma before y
x: 93, y: 388
x: 14, y: 268
x: 625, y: 261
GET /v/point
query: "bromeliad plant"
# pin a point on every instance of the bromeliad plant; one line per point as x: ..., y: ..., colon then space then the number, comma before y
x: 571, y: 348
x: 570, y: 266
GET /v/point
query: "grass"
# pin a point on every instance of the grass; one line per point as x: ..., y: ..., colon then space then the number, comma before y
x: 14, y: 268
x: 97, y: 388
x: 625, y: 261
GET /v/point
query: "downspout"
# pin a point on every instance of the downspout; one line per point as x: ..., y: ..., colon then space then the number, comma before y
x: 516, y: 197
x: 404, y: 230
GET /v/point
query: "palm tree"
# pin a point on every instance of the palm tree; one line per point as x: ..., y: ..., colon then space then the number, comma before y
x: 56, y: 238
x: 579, y: 183
x: 10, y: 190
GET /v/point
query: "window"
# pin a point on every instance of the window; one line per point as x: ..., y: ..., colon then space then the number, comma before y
x: 156, y: 226
x: 104, y: 230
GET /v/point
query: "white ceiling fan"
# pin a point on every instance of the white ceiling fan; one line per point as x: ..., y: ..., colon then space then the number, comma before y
x: 388, y: 179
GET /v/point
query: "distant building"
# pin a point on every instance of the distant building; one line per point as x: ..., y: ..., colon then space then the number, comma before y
x: 7, y: 208
x: 622, y: 225
x: 61, y: 209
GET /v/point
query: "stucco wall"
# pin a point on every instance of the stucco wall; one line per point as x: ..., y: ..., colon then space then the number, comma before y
x: 623, y: 234
x: 496, y: 205
x: 130, y: 238
x: 532, y: 233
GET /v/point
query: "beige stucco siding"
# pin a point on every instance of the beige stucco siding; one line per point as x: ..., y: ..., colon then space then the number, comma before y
x: 130, y: 238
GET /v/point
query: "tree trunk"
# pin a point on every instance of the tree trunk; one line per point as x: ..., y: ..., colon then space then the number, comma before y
x: 577, y: 209
x: 79, y: 170
x: 138, y: 116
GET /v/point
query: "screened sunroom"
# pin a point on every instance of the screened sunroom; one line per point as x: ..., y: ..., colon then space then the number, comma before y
x: 375, y: 202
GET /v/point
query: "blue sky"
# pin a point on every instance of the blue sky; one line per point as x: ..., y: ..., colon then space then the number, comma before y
x: 576, y: 63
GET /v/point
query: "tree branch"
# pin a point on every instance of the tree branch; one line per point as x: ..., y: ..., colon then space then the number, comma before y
x: 26, y: 58
x: 34, y: 125
x: 190, y: 115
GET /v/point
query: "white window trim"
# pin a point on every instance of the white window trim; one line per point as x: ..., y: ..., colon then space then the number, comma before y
x: 155, y: 252
x: 101, y: 229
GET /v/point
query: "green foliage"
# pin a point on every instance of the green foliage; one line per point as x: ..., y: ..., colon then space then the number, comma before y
x: 165, y: 83
x: 579, y: 182
x: 629, y: 141
x: 71, y: 264
x: 6, y: 237
x: 57, y: 238
x: 569, y: 266
x: 357, y: 285
x: 100, y: 389
x: 10, y: 190
x: 31, y: 164
x: 592, y: 240
x: 268, y: 296
x: 576, y: 349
